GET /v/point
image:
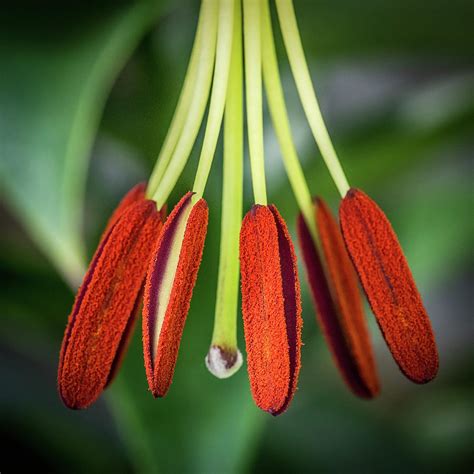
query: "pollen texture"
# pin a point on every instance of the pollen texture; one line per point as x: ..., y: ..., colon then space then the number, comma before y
x: 349, y: 311
x: 160, y: 360
x: 100, y: 320
x: 389, y: 285
x: 292, y: 302
x: 271, y: 308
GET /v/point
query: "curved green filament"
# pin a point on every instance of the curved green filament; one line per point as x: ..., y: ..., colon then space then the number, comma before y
x: 253, y: 81
x: 218, y: 95
x: 197, y: 107
x: 180, y: 112
x: 294, y: 48
x: 278, y: 112
x: 225, y: 322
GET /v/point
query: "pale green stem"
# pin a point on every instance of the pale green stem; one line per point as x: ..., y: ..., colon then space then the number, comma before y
x: 181, y: 111
x: 253, y: 82
x: 225, y: 322
x: 278, y: 112
x: 218, y: 95
x: 197, y: 107
x: 299, y: 67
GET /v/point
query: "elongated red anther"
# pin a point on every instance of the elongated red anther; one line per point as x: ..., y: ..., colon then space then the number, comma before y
x: 100, y: 321
x: 135, y: 194
x: 169, y: 286
x: 389, y: 285
x: 271, y: 306
x: 327, y: 313
x: 347, y: 300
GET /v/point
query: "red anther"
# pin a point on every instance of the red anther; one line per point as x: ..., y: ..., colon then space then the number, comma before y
x: 271, y: 308
x: 101, y: 317
x: 165, y: 312
x: 389, y: 285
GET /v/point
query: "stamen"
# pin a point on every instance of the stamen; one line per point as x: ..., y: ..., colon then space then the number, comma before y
x: 169, y: 287
x: 224, y: 357
x: 294, y: 48
x: 389, y: 285
x: 349, y: 312
x: 271, y: 308
x: 104, y: 305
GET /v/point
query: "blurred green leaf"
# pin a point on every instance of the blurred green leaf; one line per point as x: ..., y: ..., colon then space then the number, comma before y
x: 53, y: 88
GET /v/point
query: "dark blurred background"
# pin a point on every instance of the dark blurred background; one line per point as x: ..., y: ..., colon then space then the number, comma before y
x: 86, y: 94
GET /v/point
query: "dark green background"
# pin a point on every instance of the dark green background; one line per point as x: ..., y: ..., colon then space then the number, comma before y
x: 98, y: 82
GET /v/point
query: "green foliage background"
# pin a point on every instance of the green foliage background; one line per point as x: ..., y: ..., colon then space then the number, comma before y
x: 86, y: 94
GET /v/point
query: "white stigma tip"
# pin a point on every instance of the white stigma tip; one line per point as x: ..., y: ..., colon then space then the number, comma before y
x: 223, y: 363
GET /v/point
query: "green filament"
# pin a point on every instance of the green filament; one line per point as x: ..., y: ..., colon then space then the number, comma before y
x: 181, y: 111
x: 253, y: 82
x: 197, y: 106
x: 278, y: 112
x: 299, y: 67
x: 218, y: 96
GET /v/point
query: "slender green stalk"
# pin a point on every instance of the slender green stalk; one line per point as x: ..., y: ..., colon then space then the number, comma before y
x: 218, y: 95
x: 299, y: 67
x: 225, y: 325
x: 278, y: 112
x: 197, y: 107
x: 181, y: 111
x: 253, y: 81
